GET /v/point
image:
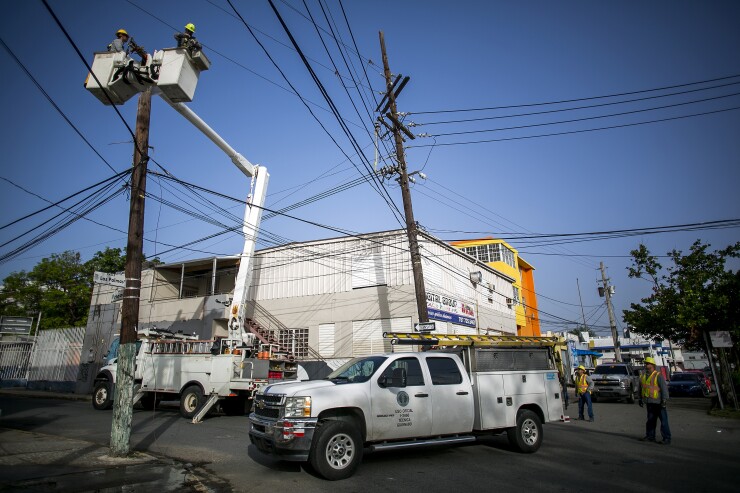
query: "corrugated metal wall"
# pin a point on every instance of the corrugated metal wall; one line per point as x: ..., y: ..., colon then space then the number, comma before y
x: 53, y: 356
x: 56, y: 356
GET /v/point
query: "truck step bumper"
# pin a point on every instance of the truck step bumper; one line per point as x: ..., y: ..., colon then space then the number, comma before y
x: 422, y: 442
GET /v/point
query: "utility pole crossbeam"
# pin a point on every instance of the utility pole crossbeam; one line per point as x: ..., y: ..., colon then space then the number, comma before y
x: 610, y: 309
x: 411, y: 229
x: 123, y: 402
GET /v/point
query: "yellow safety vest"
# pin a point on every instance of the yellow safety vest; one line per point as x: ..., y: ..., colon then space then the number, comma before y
x: 650, y: 387
x: 581, y: 384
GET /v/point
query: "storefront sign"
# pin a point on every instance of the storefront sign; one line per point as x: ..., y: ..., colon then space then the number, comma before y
x: 447, y: 309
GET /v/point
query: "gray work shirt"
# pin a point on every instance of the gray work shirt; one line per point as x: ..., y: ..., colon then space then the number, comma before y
x: 116, y: 45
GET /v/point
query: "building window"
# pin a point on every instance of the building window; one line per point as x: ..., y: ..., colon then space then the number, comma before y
x: 516, y: 295
x: 296, y: 341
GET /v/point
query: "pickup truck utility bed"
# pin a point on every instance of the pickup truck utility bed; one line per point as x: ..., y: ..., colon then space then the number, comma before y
x: 398, y: 400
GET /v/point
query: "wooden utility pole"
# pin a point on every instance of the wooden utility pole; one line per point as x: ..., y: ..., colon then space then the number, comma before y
x: 123, y: 402
x: 610, y: 309
x: 411, y: 230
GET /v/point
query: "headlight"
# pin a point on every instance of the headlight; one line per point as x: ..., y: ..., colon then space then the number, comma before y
x: 622, y: 384
x: 297, y: 407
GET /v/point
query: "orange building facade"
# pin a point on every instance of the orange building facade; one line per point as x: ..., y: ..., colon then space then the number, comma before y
x: 501, y: 256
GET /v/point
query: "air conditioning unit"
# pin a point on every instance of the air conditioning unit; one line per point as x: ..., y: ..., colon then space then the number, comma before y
x: 509, y: 302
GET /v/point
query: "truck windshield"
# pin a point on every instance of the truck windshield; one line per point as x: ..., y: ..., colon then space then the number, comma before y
x: 357, y: 370
x: 611, y: 370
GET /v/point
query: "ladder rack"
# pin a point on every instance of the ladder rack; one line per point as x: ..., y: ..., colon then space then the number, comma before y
x: 408, y: 338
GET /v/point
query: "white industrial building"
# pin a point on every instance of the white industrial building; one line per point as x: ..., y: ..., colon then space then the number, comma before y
x: 322, y: 299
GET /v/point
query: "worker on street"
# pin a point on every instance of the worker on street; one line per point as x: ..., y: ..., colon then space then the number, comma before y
x: 187, y: 39
x: 584, y: 387
x: 119, y: 44
x: 654, y: 394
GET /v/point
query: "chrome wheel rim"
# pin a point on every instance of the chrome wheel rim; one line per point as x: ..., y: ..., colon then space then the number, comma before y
x: 339, y: 451
x: 530, y: 434
x: 101, y: 396
x: 191, y: 402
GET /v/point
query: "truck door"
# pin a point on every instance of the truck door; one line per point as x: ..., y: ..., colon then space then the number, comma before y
x: 401, y: 412
x: 452, y: 396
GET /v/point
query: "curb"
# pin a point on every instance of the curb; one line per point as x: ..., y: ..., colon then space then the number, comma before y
x: 40, y: 394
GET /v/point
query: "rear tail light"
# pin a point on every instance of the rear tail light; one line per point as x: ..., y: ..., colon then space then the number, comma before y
x: 274, y: 375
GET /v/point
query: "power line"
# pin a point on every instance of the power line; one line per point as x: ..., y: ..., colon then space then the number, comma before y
x: 51, y: 101
x: 377, y: 186
x: 584, y: 130
x: 466, y: 120
x: 591, y: 98
x: 518, y: 127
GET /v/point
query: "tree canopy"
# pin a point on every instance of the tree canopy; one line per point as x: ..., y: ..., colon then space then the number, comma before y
x: 696, y: 294
x: 59, y: 286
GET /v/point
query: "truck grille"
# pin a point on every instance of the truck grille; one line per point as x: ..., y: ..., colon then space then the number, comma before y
x: 268, y: 412
x: 268, y: 405
x: 607, y: 383
x: 271, y: 399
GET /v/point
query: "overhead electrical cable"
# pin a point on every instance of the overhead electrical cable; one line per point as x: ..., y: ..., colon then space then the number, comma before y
x: 586, y: 118
x: 53, y: 103
x: 571, y: 132
x: 372, y: 180
x: 591, y: 98
x: 576, y: 108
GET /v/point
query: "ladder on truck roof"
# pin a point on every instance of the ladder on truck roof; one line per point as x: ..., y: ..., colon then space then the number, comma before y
x: 410, y: 338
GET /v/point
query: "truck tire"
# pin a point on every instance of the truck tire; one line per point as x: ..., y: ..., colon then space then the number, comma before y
x: 102, y: 396
x: 191, y: 401
x: 526, y: 436
x: 631, y: 397
x: 336, y: 451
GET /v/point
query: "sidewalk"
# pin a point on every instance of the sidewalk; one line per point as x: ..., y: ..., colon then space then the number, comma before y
x: 31, y: 461
x: 43, y: 394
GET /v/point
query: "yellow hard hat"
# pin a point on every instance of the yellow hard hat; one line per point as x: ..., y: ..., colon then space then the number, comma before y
x: 650, y: 360
x: 121, y: 31
x: 581, y: 367
x: 190, y: 27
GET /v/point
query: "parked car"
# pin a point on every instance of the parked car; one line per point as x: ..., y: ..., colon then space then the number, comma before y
x: 687, y: 384
x: 704, y: 375
x: 615, y: 380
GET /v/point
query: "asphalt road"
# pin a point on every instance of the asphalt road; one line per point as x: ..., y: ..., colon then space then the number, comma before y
x: 577, y: 456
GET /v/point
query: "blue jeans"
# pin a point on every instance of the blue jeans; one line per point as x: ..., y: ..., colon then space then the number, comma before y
x: 655, y: 412
x: 585, y: 399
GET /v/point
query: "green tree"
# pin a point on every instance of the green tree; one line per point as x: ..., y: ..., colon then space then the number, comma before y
x: 693, y: 295
x: 59, y: 286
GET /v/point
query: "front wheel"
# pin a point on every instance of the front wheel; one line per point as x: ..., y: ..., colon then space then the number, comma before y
x: 337, y: 450
x: 631, y: 397
x: 526, y: 436
x: 102, y: 396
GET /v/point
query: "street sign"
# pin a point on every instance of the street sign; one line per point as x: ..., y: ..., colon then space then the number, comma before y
x: 16, y: 325
x: 117, y: 296
x: 720, y: 338
x: 424, y: 327
x: 117, y: 279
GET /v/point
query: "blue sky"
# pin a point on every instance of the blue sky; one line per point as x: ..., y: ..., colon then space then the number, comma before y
x: 466, y: 54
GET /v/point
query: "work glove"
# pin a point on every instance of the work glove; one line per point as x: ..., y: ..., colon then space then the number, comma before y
x: 641, y: 403
x: 663, y: 404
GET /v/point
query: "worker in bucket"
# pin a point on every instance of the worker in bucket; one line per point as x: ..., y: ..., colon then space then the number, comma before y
x: 119, y: 44
x: 584, y: 387
x: 187, y: 39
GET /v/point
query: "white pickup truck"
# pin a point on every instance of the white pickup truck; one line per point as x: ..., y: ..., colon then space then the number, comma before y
x: 405, y: 399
